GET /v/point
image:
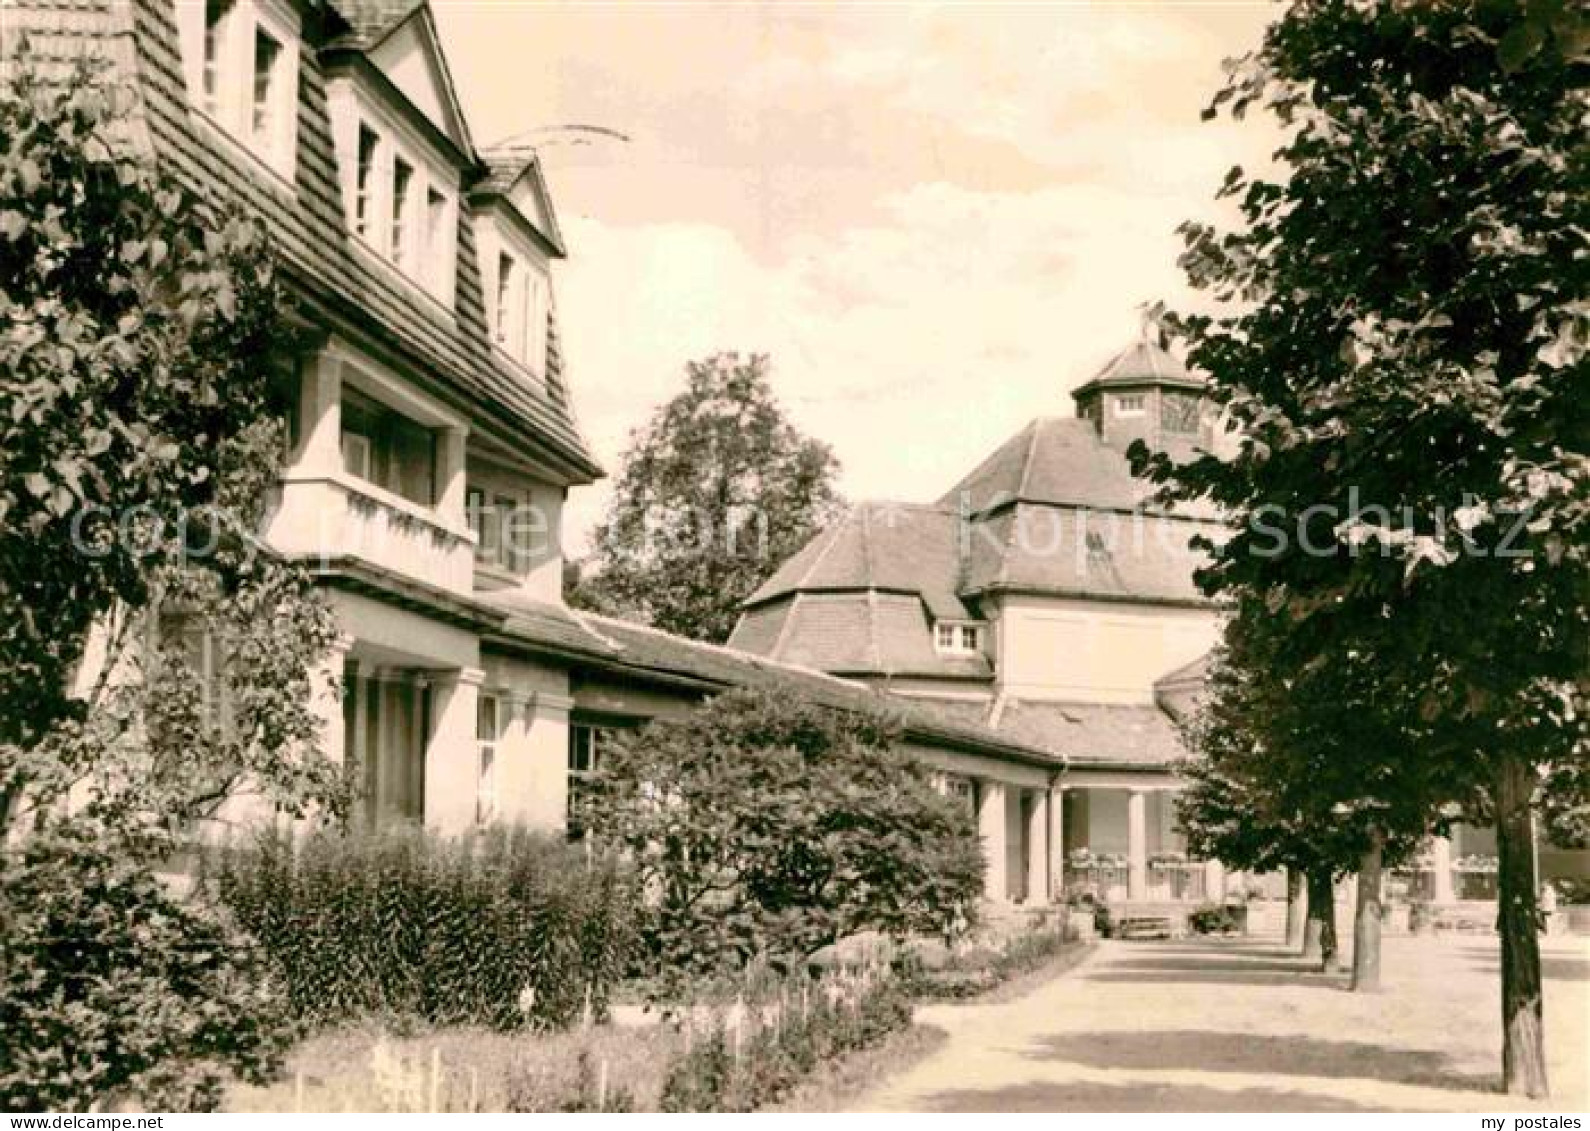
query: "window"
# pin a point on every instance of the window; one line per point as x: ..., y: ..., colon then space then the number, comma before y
x: 383, y: 447
x: 960, y: 638
x: 267, y: 79
x: 356, y: 454
x: 536, y: 321
x: 507, y: 286
x: 241, y: 59
x: 499, y: 525
x: 437, y: 257
x: 585, y: 748
x: 489, y: 718
x: 219, y: 17
x: 188, y: 646
x: 519, y: 315
x: 1129, y: 405
x: 402, y: 181
x: 364, y: 199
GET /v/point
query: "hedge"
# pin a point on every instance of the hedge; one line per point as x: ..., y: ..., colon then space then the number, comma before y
x: 503, y: 928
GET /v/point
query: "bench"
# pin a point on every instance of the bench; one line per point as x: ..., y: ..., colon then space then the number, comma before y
x: 1144, y: 927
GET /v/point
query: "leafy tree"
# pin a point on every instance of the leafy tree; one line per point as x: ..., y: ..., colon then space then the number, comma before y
x: 1292, y: 771
x: 716, y: 491
x: 1403, y: 342
x: 155, y: 661
x: 765, y: 826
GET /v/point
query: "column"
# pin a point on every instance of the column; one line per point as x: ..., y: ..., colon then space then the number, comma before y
x: 1137, y: 844
x: 1441, y: 863
x: 451, y: 444
x: 546, y: 803
x: 1214, y: 881
x: 451, y: 755
x: 991, y: 828
x: 1037, y: 814
x: 1057, y: 843
x: 320, y: 416
x: 358, y: 758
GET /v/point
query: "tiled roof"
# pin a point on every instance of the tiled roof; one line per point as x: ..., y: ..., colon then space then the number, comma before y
x: 864, y: 632
x: 449, y: 350
x: 1146, y: 360
x: 904, y: 547
x: 505, y: 167
x: 1095, y: 734
x: 1083, y: 553
x: 639, y: 652
x: 1059, y: 460
x: 371, y: 21
x: 862, y: 596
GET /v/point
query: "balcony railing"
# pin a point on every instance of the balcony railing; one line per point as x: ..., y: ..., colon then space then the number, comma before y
x: 340, y: 515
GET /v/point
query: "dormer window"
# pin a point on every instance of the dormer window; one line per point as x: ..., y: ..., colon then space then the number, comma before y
x: 1130, y: 404
x: 402, y: 185
x: 519, y: 315
x: 241, y: 58
x: 364, y: 189
x: 401, y: 205
x: 961, y: 639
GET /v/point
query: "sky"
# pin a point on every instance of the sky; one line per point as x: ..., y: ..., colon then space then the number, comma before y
x: 935, y: 219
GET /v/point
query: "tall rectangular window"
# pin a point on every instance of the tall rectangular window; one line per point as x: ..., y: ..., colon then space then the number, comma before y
x: 402, y: 179
x: 488, y: 732
x: 364, y: 183
x: 217, y: 28
x: 536, y: 321
x: 267, y: 85
x: 436, y: 241
x: 506, y: 286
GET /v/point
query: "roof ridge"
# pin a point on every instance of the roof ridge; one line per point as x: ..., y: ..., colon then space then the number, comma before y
x: 785, y: 628
x: 752, y: 658
x: 1036, y: 428
x: 832, y: 534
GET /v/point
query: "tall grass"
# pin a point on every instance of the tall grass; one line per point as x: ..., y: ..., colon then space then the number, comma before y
x: 504, y: 928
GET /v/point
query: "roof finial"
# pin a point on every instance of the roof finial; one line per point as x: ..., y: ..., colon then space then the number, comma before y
x: 1152, y: 323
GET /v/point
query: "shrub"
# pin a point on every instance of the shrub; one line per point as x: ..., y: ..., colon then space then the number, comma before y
x: 788, y: 826
x: 969, y: 973
x: 112, y: 990
x: 503, y: 928
x: 721, y: 1073
x: 1212, y: 919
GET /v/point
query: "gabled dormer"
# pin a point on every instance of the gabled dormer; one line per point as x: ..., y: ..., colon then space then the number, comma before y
x: 517, y: 238
x: 404, y: 153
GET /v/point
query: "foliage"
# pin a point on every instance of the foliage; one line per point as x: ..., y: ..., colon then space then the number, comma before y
x: 535, y: 1087
x: 505, y: 928
x: 1401, y: 342
x: 976, y: 970
x: 716, y: 491
x: 111, y: 988
x: 1213, y: 919
x: 140, y: 331
x: 732, y: 1070
x: 762, y: 824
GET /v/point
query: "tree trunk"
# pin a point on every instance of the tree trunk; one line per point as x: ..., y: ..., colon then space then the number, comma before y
x: 1367, y: 916
x: 1319, y: 937
x: 1296, y: 913
x: 1517, y: 920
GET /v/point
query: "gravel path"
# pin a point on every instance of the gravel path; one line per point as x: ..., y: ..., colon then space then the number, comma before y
x: 1239, y: 1025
